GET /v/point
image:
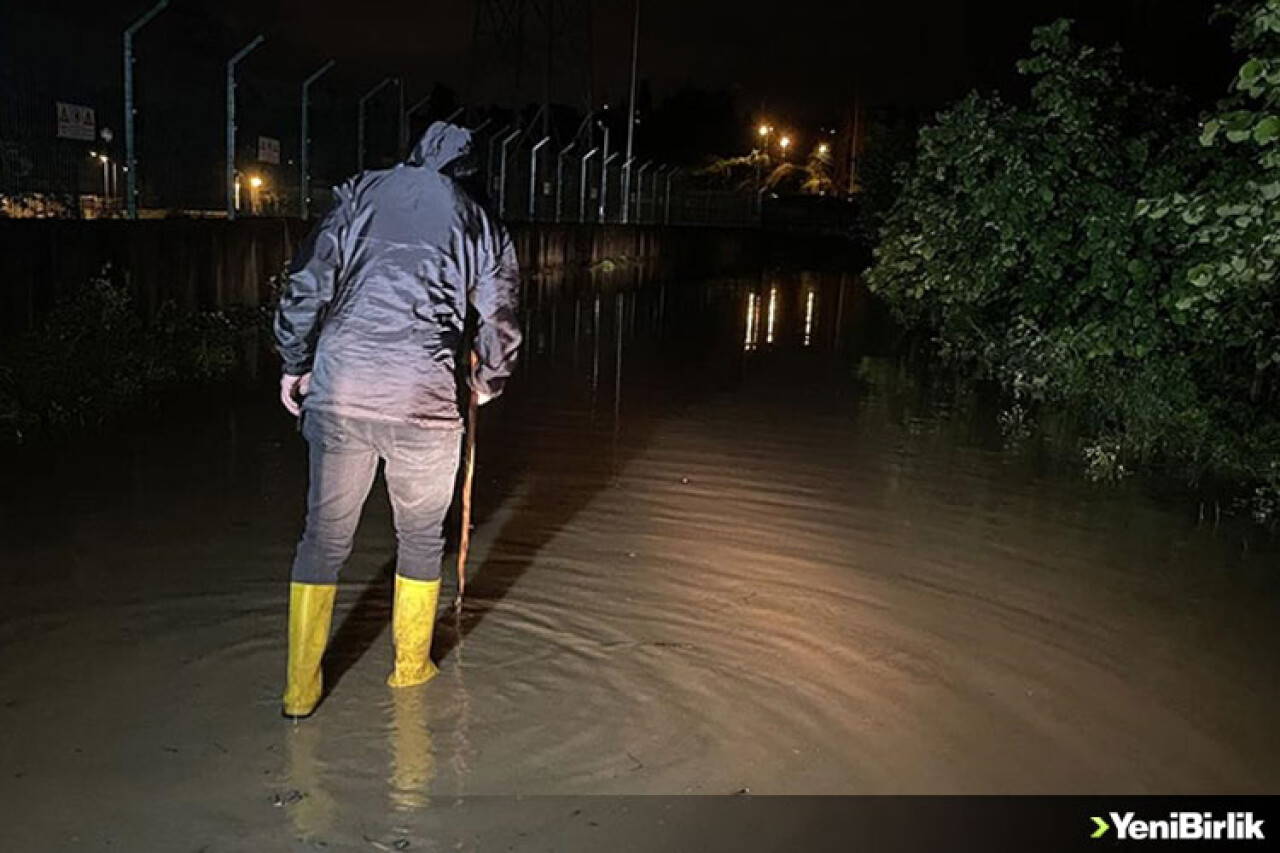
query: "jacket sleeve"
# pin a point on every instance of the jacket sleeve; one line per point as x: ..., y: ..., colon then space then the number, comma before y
x: 312, y: 278
x: 495, y: 292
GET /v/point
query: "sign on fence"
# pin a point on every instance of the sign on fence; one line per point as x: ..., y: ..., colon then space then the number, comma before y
x: 268, y: 150
x: 76, y: 122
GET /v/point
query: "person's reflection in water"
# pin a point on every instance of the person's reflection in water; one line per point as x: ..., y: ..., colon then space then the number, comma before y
x: 412, y: 757
x: 460, y: 748
x: 312, y: 814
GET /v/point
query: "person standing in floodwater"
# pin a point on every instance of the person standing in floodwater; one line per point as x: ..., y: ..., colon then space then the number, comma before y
x: 371, y: 329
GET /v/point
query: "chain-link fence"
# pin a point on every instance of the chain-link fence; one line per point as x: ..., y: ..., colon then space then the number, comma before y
x: 63, y: 146
x: 530, y: 178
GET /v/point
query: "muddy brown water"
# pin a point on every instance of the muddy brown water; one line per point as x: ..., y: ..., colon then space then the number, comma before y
x: 724, y: 543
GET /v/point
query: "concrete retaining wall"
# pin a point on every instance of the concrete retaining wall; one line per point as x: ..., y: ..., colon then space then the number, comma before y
x: 214, y: 263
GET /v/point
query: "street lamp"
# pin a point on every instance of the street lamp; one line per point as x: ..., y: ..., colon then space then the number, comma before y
x: 824, y: 149
x: 106, y: 175
x: 764, y: 131
x: 255, y: 184
x: 785, y: 142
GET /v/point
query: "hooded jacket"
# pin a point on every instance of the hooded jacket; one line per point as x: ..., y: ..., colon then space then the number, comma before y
x: 378, y: 295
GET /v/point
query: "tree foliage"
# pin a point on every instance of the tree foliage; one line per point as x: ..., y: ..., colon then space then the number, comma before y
x: 1092, y: 248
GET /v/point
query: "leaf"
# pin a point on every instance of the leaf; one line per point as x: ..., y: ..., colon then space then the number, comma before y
x: 1210, y: 132
x: 1200, y: 275
x: 1267, y: 130
x: 1250, y: 72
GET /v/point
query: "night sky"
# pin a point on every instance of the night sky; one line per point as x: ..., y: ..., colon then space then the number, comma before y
x: 804, y: 59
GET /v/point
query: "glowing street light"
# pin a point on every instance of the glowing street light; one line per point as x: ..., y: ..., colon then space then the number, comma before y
x: 785, y: 142
x: 824, y: 149
x: 255, y: 184
x: 106, y: 173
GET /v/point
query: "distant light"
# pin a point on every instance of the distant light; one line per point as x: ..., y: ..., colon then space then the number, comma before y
x: 255, y: 182
x: 824, y: 148
x: 808, y: 317
x: 785, y: 142
x: 763, y: 131
x: 773, y: 314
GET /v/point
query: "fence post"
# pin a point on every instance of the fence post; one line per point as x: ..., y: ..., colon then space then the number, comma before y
x: 582, y: 185
x: 533, y: 177
x: 130, y: 158
x: 490, y: 189
x: 564, y: 152
x: 304, y: 161
x: 364, y: 99
x: 502, y: 172
x: 231, y: 122
x: 653, y: 194
x: 640, y: 187
x: 604, y: 170
x: 604, y: 185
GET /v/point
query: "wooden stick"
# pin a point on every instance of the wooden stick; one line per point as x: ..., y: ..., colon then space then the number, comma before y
x: 464, y: 543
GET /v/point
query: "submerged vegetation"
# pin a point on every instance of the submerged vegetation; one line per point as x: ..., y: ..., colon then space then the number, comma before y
x: 94, y: 355
x: 1093, y: 250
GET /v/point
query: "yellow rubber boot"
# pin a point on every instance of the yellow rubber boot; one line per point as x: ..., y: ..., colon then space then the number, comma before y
x: 310, y: 614
x: 413, y: 620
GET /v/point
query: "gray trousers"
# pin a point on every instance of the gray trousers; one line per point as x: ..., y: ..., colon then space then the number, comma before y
x: 421, y: 466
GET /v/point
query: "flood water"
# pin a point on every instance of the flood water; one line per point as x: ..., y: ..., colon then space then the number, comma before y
x: 724, y: 542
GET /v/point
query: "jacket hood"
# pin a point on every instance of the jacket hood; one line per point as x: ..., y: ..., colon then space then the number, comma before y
x: 442, y: 144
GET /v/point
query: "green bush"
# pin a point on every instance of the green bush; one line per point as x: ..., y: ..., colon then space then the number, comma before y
x: 1093, y: 251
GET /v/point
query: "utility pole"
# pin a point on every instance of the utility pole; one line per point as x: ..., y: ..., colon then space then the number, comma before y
x: 304, y: 161
x: 631, y: 119
x: 231, y: 122
x: 130, y: 160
